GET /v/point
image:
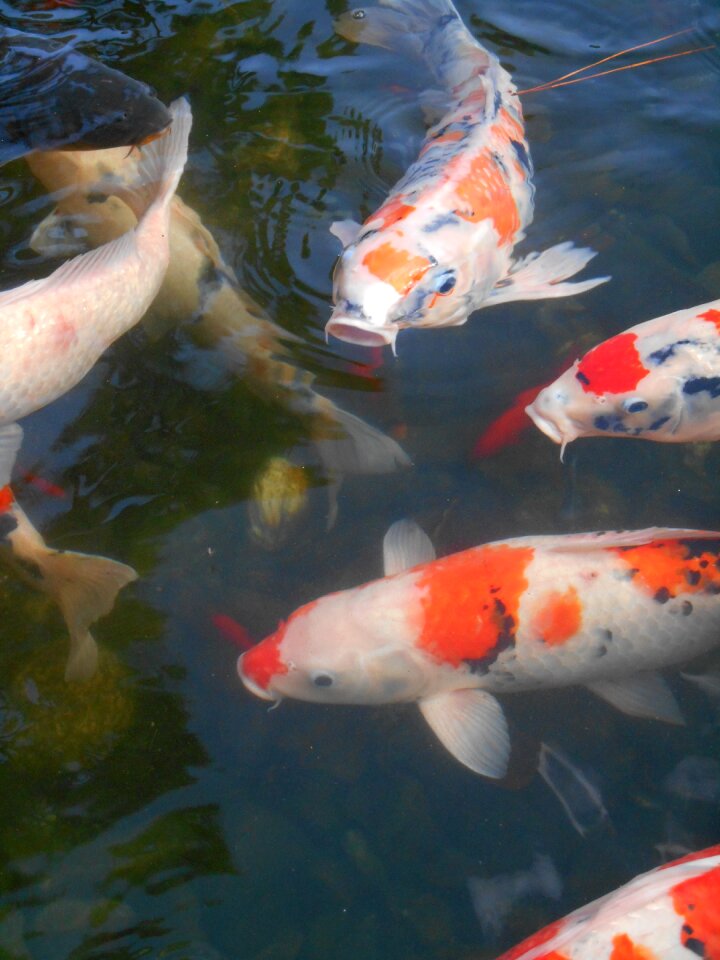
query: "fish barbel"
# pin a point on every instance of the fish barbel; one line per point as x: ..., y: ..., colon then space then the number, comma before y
x: 658, y: 380
x: 602, y: 610
x: 441, y: 244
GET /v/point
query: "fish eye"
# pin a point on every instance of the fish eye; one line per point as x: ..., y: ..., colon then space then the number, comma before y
x: 322, y: 679
x: 634, y: 406
x: 446, y: 283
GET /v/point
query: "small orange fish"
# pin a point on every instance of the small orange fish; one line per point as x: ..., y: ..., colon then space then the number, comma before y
x: 602, y: 610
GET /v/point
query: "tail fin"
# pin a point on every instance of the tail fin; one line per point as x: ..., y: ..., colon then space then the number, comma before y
x: 358, y: 448
x: 161, y: 164
x: 83, y: 586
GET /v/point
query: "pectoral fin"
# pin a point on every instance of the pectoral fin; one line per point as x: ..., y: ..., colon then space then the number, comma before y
x: 472, y: 726
x: 642, y: 695
x: 346, y: 231
x: 405, y: 545
x: 540, y: 276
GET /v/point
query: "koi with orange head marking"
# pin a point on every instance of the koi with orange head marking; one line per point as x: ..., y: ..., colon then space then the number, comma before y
x: 659, y: 380
x: 670, y: 913
x: 441, y: 244
x: 601, y: 610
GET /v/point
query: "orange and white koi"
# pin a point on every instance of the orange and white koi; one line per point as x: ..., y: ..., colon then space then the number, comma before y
x: 441, y: 244
x: 52, y: 332
x: 603, y: 610
x: 670, y: 913
x: 658, y: 380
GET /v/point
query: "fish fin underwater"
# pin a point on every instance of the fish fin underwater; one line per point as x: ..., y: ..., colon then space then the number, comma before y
x: 642, y: 695
x: 471, y: 725
x: 84, y: 586
x: 542, y: 276
x: 405, y: 545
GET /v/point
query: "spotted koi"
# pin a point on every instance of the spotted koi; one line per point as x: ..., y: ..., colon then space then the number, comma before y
x: 658, y: 380
x: 441, y: 244
x: 670, y: 913
x: 603, y: 610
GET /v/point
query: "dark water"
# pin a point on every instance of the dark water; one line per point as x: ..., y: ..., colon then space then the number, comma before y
x: 159, y: 810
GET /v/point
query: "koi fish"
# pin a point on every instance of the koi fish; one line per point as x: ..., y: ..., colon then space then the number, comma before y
x: 658, y: 380
x: 52, y: 331
x: 670, y: 913
x: 494, y: 898
x: 441, y: 244
x: 52, y: 96
x: 604, y: 610
x: 200, y: 285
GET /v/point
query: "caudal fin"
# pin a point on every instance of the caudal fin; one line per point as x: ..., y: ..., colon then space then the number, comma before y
x: 161, y: 164
x: 358, y: 448
x: 84, y: 586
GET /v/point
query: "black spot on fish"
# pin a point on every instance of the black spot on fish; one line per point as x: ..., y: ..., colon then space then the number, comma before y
x: 695, y: 946
x: 601, y: 651
x: 709, y: 385
x: 498, y: 101
x: 442, y: 220
x: 662, y: 595
x: 613, y: 425
x: 96, y: 197
x: 687, y: 608
x: 692, y: 577
x: 687, y: 929
x: 664, y: 353
x: 500, y: 164
x: 505, y: 638
x: 658, y: 423
x: 582, y: 378
x: 522, y: 154
x: 637, y: 406
x: 8, y: 523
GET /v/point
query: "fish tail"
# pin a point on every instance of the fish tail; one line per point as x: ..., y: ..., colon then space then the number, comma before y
x: 429, y: 29
x: 161, y: 164
x: 356, y: 448
x: 84, y: 586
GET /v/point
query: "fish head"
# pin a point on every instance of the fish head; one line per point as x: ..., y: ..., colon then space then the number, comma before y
x: 343, y: 648
x: 418, y: 272
x: 568, y: 408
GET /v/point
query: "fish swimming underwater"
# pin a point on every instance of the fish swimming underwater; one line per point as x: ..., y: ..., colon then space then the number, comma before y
x: 670, y: 913
x: 52, y: 332
x: 199, y: 285
x: 603, y: 610
x: 441, y: 244
x: 658, y: 380
x: 51, y: 96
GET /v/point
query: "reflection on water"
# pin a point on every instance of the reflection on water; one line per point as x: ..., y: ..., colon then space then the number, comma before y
x: 158, y: 810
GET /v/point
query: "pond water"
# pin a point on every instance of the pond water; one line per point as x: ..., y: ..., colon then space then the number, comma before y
x: 159, y: 810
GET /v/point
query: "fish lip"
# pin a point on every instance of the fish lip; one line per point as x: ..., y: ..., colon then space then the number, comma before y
x: 360, y: 332
x: 250, y: 684
x: 546, y: 426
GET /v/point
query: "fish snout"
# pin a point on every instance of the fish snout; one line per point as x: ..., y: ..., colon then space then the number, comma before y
x: 361, y: 332
x: 250, y: 684
x: 551, y: 421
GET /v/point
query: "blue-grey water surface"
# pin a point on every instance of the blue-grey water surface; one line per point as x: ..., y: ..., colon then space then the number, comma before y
x: 160, y: 810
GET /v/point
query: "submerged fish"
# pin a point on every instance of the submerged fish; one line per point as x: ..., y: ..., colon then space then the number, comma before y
x: 441, y: 245
x: 53, y: 96
x: 658, y: 380
x: 670, y: 913
x: 604, y: 610
x: 200, y: 285
x: 52, y: 332
x: 494, y: 898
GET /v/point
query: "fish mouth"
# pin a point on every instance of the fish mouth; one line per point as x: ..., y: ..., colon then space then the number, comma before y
x: 251, y: 685
x: 549, y: 428
x: 360, y: 332
x: 154, y: 136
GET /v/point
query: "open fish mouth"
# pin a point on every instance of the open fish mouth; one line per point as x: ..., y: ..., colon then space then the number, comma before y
x: 353, y: 330
x: 253, y: 687
x: 548, y: 427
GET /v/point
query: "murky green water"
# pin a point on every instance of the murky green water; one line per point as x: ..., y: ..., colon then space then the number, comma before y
x: 159, y: 810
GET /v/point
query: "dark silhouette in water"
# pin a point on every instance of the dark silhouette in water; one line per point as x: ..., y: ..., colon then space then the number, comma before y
x: 52, y: 96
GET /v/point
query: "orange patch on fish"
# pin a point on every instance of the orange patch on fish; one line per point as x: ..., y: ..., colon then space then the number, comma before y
x: 612, y: 367
x: 470, y: 601
x: 452, y: 136
x: 484, y: 194
x: 6, y: 499
x: 712, y: 316
x: 698, y: 901
x: 559, y: 618
x: 399, y: 268
x: 537, y: 940
x: 668, y: 568
x: 263, y: 662
x: 626, y: 949
x: 392, y: 211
